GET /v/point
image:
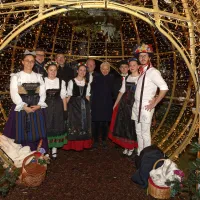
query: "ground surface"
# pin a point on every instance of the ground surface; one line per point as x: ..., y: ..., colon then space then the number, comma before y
x: 89, y: 175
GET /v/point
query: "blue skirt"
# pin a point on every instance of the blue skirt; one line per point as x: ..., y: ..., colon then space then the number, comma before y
x: 26, y: 129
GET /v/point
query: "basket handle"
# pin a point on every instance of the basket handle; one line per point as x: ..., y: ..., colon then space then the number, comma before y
x: 31, y: 155
x: 23, y: 165
x: 25, y: 160
x: 154, y: 166
x: 39, y: 145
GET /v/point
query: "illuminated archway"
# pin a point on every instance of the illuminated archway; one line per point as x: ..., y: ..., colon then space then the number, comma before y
x: 161, y: 20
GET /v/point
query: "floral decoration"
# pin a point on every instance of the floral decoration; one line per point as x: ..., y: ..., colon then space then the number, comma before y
x: 144, y: 48
x: 50, y: 63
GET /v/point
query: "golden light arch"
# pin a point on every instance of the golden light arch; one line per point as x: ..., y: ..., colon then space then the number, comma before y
x: 153, y: 16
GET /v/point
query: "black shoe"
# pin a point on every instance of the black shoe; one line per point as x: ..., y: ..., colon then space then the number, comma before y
x: 95, y: 145
x: 104, y: 145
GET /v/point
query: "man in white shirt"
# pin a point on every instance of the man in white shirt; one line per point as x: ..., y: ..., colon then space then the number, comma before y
x: 145, y: 101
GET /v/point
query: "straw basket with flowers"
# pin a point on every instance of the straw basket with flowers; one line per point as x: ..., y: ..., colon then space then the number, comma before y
x: 33, y: 173
x: 156, y: 191
x: 158, y: 181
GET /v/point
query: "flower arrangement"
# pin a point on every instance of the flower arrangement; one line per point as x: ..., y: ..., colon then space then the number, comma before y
x: 190, y: 184
x: 177, y: 183
x: 40, y: 158
x: 144, y: 48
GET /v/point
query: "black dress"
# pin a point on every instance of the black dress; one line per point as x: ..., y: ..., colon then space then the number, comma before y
x: 79, y: 119
x: 56, y: 131
x: 123, y: 130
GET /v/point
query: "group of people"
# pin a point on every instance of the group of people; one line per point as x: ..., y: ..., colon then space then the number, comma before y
x: 70, y: 109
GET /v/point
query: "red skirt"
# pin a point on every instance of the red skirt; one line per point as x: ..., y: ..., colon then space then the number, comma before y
x: 114, y: 115
x: 78, y: 145
x: 125, y: 143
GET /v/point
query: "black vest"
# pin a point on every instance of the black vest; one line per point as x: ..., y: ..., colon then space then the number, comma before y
x: 79, y: 91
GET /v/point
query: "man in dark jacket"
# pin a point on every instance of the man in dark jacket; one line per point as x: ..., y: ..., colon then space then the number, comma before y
x: 102, y: 103
x: 39, y: 62
x: 91, y: 74
x: 65, y: 72
x: 90, y: 64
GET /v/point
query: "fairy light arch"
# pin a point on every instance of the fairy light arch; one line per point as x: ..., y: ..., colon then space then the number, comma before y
x: 176, y: 21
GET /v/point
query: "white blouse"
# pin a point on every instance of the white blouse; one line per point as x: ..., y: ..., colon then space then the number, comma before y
x: 132, y: 79
x: 79, y: 83
x: 54, y: 84
x: 18, y: 79
x: 153, y: 80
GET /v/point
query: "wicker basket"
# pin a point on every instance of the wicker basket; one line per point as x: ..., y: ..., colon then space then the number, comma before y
x: 156, y: 191
x: 33, y: 174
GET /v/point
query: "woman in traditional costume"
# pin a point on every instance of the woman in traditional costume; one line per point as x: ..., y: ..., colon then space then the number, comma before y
x: 124, y: 69
x: 78, y: 108
x: 122, y: 130
x: 26, y: 123
x: 56, y: 110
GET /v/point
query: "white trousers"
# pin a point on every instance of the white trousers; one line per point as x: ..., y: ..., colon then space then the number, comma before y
x: 143, y: 135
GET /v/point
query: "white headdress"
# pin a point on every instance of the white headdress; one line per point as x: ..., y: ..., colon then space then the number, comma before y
x: 27, y: 52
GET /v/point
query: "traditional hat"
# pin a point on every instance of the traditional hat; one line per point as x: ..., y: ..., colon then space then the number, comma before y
x: 51, y: 62
x: 122, y: 62
x: 144, y: 48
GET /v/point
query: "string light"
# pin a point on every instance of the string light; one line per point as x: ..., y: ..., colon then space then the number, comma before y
x: 76, y: 43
